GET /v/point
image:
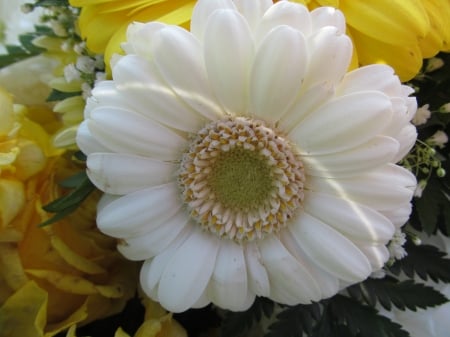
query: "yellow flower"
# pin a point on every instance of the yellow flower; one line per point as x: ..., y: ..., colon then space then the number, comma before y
x: 157, y: 323
x: 59, y: 275
x: 398, y: 33
x: 103, y: 23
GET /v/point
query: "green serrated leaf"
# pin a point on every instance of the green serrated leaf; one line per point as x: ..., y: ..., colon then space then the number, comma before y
x: 12, y: 49
x: 294, y: 321
x: 6, y: 60
x: 49, y: 3
x: 362, y: 320
x: 56, y: 95
x: 425, y: 261
x: 237, y: 324
x: 403, y: 295
x: 44, y: 30
x: 428, y: 212
x: 27, y: 42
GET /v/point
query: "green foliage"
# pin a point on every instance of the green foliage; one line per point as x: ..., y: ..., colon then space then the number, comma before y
x: 432, y: 215
x: 81, y: 188
x: 50, y: 3
x: 237, y: 324
x: 424, y: 261
x: 293, y: 321
x: 56, y: 95
x: 389, y: 291
x: 361, y: 320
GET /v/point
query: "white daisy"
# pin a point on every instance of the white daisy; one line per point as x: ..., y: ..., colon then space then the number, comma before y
x: 240, y: 159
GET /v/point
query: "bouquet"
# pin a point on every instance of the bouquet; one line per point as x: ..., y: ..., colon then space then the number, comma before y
x: 224, y: 168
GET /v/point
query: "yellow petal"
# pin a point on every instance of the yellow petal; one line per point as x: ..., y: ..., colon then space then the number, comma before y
x: 121, y: 333
x: 6, y: 115
x: 66, y: 282
x: 406, y: 61
x: 395, y: 22
x: 24, y: 313
x: 11, y: 267
x: 12, y: 200
x: 31, y: 160
x: 72, y: 331
x: 75, y: 260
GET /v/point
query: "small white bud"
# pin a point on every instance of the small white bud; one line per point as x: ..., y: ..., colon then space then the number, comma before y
x: 422, y: 115
x: 439, y: 139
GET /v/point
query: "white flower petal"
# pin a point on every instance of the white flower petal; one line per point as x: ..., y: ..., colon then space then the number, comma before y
x: 283, y: 13
x: 141, y: 211
x: 105, y: 94
x: 128, y: 132
x: 306, y: 103
x: 203, y: 301
x: 357, y: 222
x: 328, y: 16
x: 139, y: 83
x: 257, y: 275
x: 372, y: 77
x: 188, y: 272
x: 383, y: 189
x: 156, y: 240
x: 328, y: 284
x: 400, y: 215
x: 123, y: 173
x: 252, y: 10
x: 376, y: 152
x: 138, y: 37
x: 87, y: 142
x: 407, y: 138
x: 179, y: 58
x: 343, y: 123
x: 228, y: 36
x: 228, y: 286
x: 377, y: 255
x: 277, y: 75
x: 331, y: 250
x: 290, y: 282
x: 152, y: 269
x: 202, y: 10
x: 329, y: 56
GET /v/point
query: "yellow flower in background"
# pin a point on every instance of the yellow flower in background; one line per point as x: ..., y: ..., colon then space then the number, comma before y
x: 103, y: 23
x: 64, y: 274
x: 398, y: 33
x: 157, y: 323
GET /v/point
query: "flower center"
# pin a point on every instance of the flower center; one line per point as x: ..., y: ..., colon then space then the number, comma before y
x: 241, y: 180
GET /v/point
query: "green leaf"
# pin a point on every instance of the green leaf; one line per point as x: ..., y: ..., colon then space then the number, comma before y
x: 403, y: 295
x: 75, y: 197
x: 236, y: 324
x: 57, y: 95
x: 59, y: 216
x: 27, y: 42
x: 431, y: 213
x: 425, y: 261
x: 74, y: 181
x: 361, y: 320
x: 49, y: 3
x: 67, y: 204
x: 294, y: 321
x: 6, y: 60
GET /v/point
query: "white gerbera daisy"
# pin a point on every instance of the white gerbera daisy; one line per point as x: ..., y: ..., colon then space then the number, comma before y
x: 241, y: 160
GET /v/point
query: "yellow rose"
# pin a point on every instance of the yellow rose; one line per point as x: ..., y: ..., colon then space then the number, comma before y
x: 55, y: 276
